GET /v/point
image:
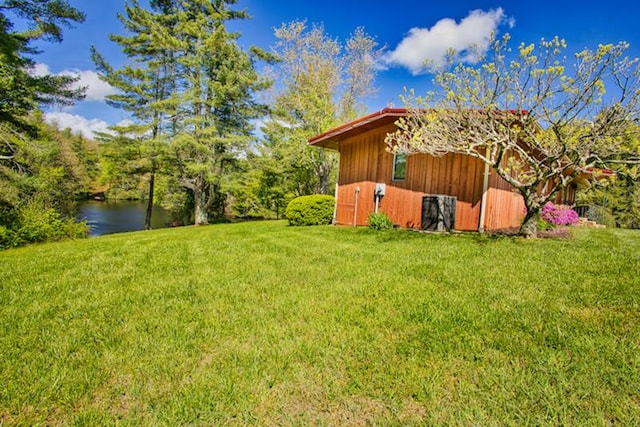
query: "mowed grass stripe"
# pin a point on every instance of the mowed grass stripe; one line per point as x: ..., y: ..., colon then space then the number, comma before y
x: 261, y: 323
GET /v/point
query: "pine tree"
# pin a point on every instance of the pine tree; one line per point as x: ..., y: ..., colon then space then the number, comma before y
x: 215, y: 103
x: 21, y: 91
x: 146, y: 89
x: 189, y: 89
x: 41, y: 173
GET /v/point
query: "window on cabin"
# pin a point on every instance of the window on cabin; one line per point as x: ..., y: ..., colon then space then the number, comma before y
x: 399, y: 166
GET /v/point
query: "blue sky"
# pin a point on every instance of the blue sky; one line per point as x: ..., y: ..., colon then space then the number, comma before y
x: 411, y: 30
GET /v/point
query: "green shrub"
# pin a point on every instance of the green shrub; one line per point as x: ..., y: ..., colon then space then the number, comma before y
x: 544, y: 225
x: 8, y: 238
x: 8, y: 214
x: 379, y: 221
x: 316, y: 209
x: 601, y: 216
x: 48, y: 225
x: 36, y: 223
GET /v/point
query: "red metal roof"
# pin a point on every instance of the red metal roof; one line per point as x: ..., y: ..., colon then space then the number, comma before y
x: 331, y: 138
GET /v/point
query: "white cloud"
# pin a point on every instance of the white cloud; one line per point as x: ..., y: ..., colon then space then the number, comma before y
x: 124, y: 123
x: 40, y: 70
x: 80, y: 124
x: 96, y: 88
x: 431, y: 44
x: 77, y: 124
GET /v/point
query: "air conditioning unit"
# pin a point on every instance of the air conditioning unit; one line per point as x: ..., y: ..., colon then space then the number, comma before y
x: 438, y: 213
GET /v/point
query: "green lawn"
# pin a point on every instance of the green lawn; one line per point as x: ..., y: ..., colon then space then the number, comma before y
x: 261, y: 323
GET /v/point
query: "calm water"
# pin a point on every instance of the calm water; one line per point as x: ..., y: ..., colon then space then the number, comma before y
x: 118, y: 217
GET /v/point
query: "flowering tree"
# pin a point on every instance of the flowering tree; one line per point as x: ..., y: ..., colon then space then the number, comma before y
x: 539, y: 119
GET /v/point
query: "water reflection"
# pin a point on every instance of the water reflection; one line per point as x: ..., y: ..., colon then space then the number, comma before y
x: 118, y: 217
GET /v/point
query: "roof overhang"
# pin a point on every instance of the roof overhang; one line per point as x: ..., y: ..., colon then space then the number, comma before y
x: 592, y: 175
x: 332, y: 138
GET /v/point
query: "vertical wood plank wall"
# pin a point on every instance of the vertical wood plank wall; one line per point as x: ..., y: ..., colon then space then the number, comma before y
x: 365, y: 162
x: 505, y: 208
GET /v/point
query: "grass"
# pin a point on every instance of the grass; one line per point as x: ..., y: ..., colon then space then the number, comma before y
x: 265, y: 324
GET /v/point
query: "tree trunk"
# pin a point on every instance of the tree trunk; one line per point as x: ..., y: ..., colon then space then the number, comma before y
x: 147, y: 217
x: 529, y: 227
x: 324, y: 183
x: 200, y: 207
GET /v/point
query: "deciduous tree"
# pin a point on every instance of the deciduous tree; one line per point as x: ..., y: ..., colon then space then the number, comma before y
x: 539, y: 117
x: 321, y: 83
x: 618, y: 196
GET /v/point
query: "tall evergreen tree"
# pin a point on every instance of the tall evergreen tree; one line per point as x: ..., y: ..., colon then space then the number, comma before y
x: 41, y: 172
x: 146, y: 88
x: 21, y: 91
x: 189, y: 88
x: 216, y: 102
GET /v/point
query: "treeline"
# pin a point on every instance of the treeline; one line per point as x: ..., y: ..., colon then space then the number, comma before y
x: 42, y: 177
x: 614, y: 202
x: 196, y: 99
x: 42, y: 171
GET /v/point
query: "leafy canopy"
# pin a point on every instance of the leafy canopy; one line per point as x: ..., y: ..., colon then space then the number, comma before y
x: 323, y: 83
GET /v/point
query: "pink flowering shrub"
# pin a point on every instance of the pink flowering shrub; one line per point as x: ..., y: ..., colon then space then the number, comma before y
x: 558, y: 214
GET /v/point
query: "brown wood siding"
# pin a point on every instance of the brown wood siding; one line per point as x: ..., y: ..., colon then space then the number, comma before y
x: 566, y: 196
x: 505, y: 207
x: 365, y: 162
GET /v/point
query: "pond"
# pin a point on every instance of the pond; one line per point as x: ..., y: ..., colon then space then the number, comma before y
x: 117, y: 217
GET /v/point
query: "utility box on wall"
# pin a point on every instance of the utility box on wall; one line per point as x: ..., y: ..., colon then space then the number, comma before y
x: 438, y: 213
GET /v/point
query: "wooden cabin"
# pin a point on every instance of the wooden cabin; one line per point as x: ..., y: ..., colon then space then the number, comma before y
x: 366, y: 166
